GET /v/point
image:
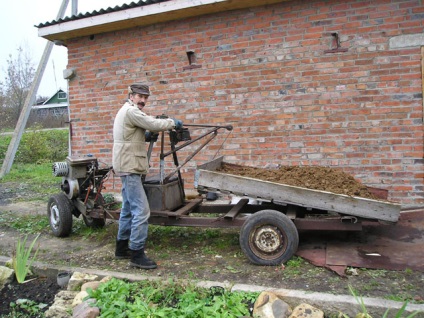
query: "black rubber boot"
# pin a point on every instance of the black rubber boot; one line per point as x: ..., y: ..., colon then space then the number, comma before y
x: 122, y: 250
x: 140, y: 260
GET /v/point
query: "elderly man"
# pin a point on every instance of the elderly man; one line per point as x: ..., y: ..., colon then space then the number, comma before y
x: 130, y: 163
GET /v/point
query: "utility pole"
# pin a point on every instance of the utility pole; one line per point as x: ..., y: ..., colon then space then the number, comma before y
x: 29, y: 101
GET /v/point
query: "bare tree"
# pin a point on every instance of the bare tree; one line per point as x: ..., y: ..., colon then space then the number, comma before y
x: 17, y: 83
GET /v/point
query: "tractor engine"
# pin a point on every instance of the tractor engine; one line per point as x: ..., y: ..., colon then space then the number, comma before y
x: 75, y: 173
x: 82, y: 183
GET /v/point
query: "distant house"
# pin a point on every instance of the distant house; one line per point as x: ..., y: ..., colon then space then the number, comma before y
x: 55, y: 106
x: 52, y: 112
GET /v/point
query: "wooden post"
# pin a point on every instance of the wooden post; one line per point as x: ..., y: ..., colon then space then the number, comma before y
x: 29, y: 101
x: 422, y: 78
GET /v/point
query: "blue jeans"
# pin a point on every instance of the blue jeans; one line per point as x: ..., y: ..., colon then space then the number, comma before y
x: 135, y: 212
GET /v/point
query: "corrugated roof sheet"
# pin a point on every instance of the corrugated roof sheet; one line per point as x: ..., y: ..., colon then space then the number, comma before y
x: 131, y: 5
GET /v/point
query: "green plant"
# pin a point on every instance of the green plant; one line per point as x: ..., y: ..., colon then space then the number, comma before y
x: 364, y: 313
x: 29, y: 224
x: 20, y: 258
x: 401, y: 311
x: 26, y: 308
x: 36, y: 180
x: 294, y: 262
x: 38, y: 146
x: 33, y: 148
x: 360, y: 301
x: 157, y: 299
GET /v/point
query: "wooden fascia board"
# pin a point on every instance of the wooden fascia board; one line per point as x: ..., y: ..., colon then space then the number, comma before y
x: 141, y: 16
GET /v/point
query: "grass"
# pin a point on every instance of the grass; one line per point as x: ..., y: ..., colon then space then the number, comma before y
x: 36, y: 180
x: 32, y: 165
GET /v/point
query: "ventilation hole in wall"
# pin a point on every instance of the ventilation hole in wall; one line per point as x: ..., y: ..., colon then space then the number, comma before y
x: 192, y: 61
x: 191, y: 57
x: 335, y: 46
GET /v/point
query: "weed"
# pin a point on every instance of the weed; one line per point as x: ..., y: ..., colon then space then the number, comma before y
x: 294, y: 262
x: 399, y: 297
x: 376, y: 273
x: 409, y: 271
x: 25, y: 308
x: 364, y: 312
x: 29, y: 224
x: 401, y: 311
x: 360, y: 301
x: 208, y: 250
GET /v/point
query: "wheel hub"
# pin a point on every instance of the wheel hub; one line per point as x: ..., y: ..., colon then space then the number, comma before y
x: 268, y: 239
x: 54, y: 216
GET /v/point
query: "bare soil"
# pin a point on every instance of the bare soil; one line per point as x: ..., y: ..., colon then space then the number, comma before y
x: 40, y: 290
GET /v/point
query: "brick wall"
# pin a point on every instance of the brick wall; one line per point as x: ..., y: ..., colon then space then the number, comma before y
x: 265, y: 71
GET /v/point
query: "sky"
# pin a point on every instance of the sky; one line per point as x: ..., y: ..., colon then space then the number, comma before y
x: 17, y: 20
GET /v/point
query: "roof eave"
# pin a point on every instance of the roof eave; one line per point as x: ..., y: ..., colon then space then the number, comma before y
x: 141, y: 16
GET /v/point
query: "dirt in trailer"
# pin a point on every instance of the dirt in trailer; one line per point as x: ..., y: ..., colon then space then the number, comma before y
x: 328, y: 179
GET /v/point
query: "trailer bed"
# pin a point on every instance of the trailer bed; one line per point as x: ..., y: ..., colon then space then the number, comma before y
x: 208, y: 179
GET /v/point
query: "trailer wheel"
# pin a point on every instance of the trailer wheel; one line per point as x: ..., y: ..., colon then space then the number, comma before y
x: 269, y: 237
x: 59, y: 212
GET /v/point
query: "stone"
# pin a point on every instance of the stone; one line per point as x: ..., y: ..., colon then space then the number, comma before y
x: 62, y: 303
x: 86, y: 309
x: 6, y: 276
x: 106, y: 279
x: 92, y: 285
x: 79, y: 298
x: 270, y: 305
x: 306, y: 311
x: 78, y: 279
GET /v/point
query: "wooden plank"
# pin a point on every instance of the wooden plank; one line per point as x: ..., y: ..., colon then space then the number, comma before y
x: 422, y: 77
x: 143, y: 15
x: 327, y: 201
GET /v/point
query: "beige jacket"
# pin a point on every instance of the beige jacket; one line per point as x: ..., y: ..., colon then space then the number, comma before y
x: 129, y: 146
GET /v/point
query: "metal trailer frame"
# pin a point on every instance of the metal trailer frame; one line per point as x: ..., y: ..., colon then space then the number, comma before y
x: 268, y: 228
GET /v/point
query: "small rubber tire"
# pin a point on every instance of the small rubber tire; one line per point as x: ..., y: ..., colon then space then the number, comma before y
x: 59, y: 212
x: 268, y: 237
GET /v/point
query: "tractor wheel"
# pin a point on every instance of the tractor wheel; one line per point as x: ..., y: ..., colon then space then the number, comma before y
x: 59, y: 212
x: 269, y: 237
x: 92, y: 222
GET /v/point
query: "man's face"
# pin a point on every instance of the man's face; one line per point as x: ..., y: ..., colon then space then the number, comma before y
x: 139, y: 99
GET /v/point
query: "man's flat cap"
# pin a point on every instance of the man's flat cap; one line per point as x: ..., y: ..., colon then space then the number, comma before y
x: 139, y: 89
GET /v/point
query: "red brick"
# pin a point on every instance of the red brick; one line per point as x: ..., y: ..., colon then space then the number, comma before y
x: 277, y: 85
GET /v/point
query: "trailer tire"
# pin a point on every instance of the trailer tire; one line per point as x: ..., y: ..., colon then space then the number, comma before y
x: 268, y: 237
x: 59, y: 212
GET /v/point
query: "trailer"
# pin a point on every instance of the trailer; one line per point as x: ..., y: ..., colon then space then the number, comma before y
x: 269, y: 215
